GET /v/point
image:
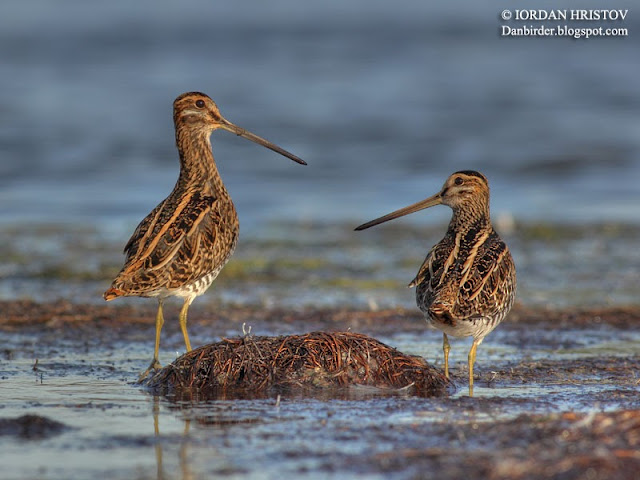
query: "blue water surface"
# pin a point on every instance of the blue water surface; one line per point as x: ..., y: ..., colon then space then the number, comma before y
x: 383, y: 100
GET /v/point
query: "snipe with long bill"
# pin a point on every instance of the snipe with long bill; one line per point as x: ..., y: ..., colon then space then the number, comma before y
x: 467, y: 283
x: 181, y: 246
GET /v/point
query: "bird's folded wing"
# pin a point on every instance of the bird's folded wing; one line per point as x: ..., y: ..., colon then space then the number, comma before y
x: 168, y: 229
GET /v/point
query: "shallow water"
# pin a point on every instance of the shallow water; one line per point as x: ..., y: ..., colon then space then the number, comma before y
x: 292, y: 265
x: 117, y: 429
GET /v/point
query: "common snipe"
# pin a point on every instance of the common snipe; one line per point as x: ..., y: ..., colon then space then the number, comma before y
x: 467, y: 284
x: 181, y: 246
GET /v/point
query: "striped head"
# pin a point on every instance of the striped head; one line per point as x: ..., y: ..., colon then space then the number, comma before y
x: 198, y: 111
x: 464, y: 189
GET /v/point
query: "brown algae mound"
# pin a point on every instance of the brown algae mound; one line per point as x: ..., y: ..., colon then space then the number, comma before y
x: 317, y: 360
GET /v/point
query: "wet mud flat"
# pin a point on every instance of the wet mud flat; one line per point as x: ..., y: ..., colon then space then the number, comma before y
x: 557, y: 396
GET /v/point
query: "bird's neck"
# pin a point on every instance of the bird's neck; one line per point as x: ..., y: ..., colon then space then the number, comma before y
x: 197, y: 165
x: 470, y: 217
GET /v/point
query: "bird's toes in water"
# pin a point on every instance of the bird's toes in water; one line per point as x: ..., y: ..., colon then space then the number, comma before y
x: 153, y: 367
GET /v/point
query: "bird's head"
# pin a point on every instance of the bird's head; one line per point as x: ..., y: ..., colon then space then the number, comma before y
x: 463, y: 190
x: 197, y: 112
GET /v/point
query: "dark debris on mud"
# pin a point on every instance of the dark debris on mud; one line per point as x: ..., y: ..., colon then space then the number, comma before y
x: 31, y: 427
x: 24, y: 314
x: 569, y: 445
x: 583, y: 371
x: 316, y: 360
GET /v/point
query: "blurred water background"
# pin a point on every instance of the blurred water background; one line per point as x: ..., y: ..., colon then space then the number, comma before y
x: 383, y: 99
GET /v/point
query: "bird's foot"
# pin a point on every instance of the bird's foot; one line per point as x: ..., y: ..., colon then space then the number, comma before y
x: 155, y: 365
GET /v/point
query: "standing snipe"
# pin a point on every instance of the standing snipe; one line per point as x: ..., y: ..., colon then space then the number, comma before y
x: 181, y: 246
x: 467, y: 283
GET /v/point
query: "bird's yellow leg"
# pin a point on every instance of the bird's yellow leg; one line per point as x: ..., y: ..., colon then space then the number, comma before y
x: 446, y: 348
x: 472, y: 360
x: 183, y: 322
x: 155, y: 364
x: 159, y: 324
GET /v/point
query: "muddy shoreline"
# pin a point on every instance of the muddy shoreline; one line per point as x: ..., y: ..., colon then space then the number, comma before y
x: 557, y: 396
x: 18, y: 314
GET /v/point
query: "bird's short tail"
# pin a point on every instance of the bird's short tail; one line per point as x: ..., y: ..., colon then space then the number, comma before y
x: 112, y: 293
x: 441, y: 312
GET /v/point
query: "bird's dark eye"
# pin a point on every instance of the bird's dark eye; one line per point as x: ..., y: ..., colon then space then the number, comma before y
x: 200, y: 103
x: 458, y: 181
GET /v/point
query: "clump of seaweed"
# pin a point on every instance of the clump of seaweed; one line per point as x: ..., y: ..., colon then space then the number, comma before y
x: 316, y: 360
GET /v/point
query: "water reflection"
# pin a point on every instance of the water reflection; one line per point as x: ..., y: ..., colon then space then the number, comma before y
x: 184, y: 464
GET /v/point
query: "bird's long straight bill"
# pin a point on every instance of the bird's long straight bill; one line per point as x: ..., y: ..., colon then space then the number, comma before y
x: 241, y: 132
x: 429, y: 202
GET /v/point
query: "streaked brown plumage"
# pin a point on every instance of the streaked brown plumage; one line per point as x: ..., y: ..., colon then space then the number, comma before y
x: 467, y: 284
x: 181, y: 246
